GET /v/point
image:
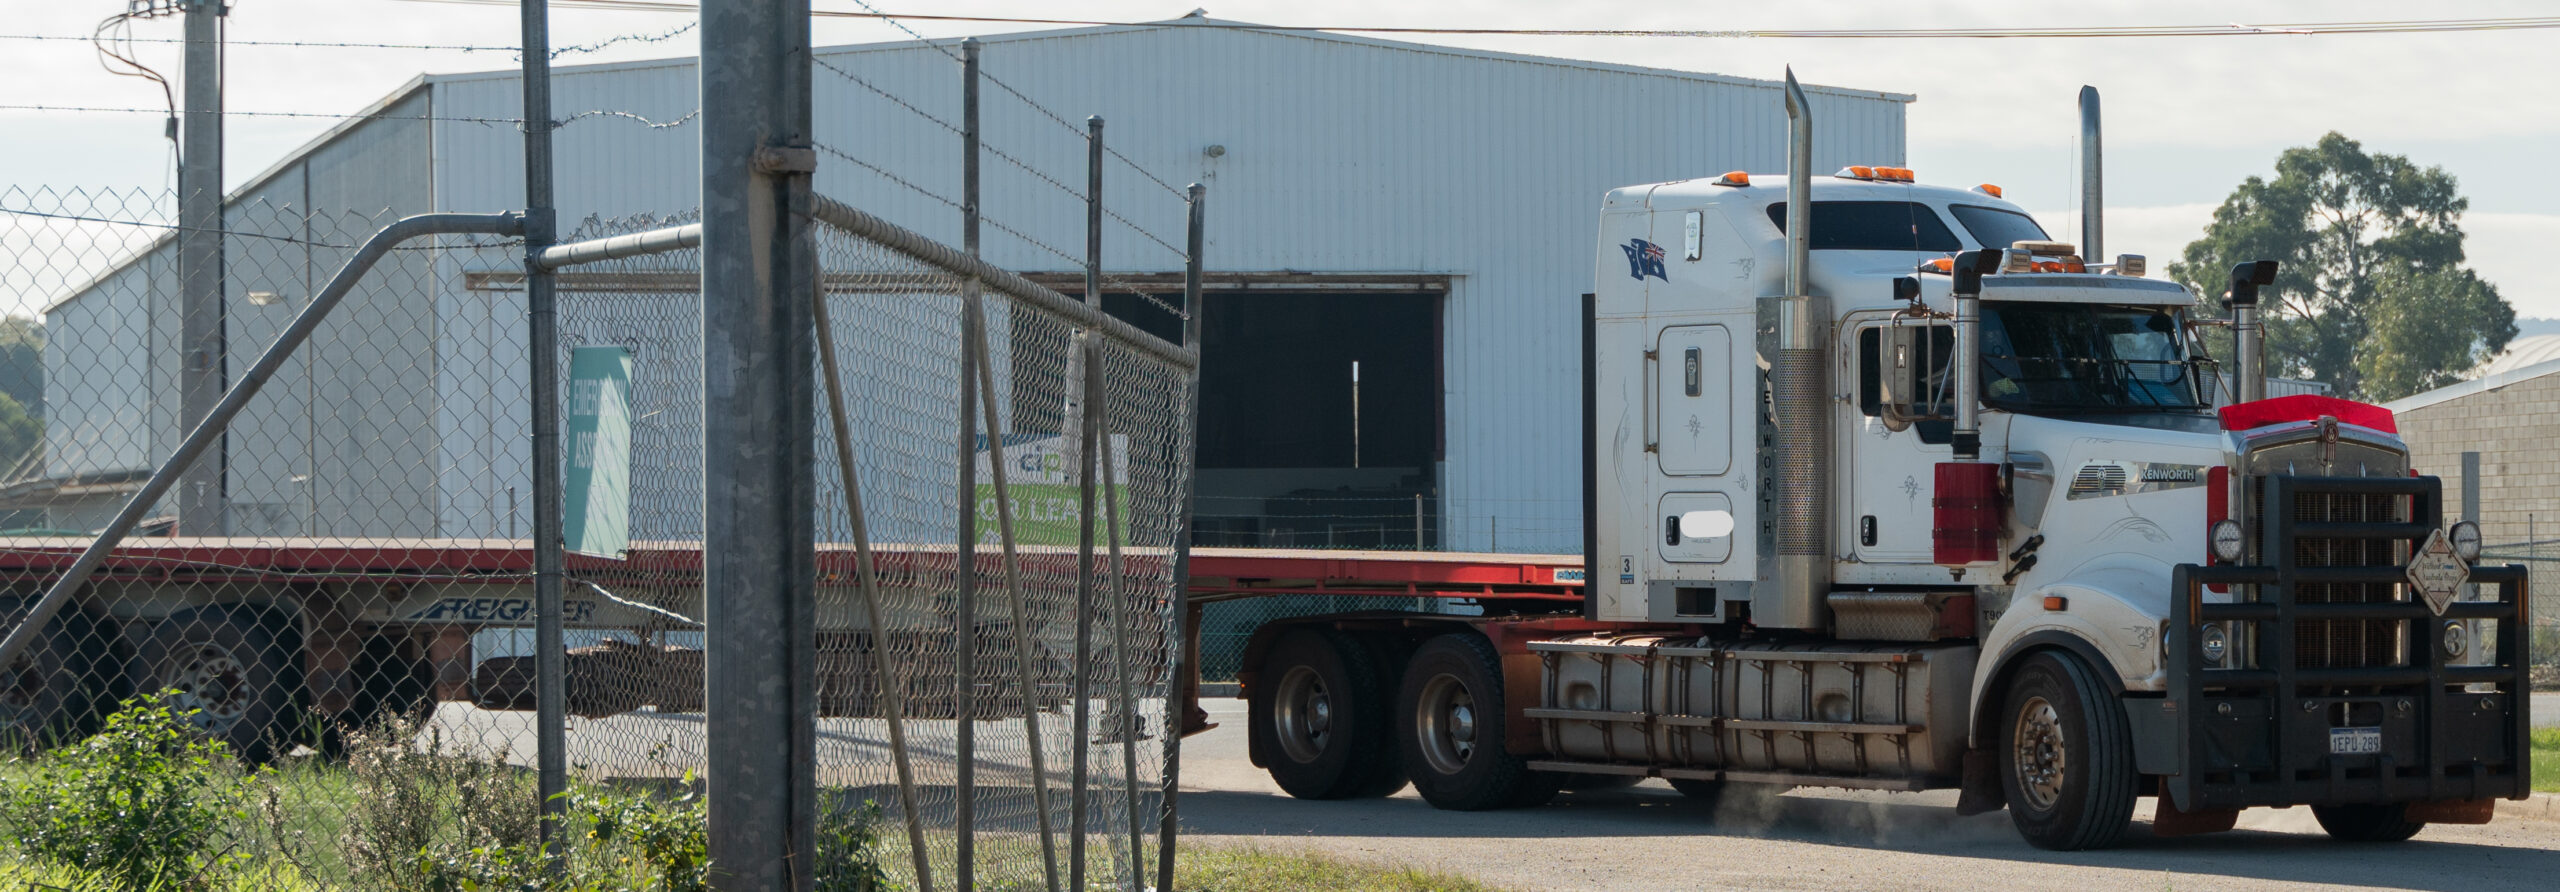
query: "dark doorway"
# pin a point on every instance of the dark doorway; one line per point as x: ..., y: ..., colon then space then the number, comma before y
x: 1293, y: 452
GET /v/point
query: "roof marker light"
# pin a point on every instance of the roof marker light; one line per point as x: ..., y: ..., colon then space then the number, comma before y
x: 1856, y: 172
x: 1988, y: 189
x: 1734, y: 178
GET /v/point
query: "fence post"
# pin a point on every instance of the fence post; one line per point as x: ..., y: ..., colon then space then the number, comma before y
x: 201, y: 502
x: 542, y: 337
x: 1080, y: 381
x: 973, y: 328
x: 1124, y: 693
x: 1184, y: 669
x: 758, y: 346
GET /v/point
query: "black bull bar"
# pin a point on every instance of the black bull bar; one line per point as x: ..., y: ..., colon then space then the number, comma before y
x: 2260, y: 735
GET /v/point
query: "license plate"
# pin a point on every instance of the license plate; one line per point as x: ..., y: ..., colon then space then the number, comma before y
x: 2355, y: 741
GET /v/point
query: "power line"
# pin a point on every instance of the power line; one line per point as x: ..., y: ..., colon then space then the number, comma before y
x: 321, y: 44
x: 459, y: 119
x: 2226, y: 29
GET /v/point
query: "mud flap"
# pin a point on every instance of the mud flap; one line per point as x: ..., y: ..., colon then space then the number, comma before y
x: 2453, y: 811
x: 2167, y: 820
x: 1979, y: 792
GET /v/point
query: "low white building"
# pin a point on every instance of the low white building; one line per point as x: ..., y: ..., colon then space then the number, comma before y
x: 1425, y: 212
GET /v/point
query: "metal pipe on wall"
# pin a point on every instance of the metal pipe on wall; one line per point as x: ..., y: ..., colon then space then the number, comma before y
x: 542, y: 339
x: 758, y: 332
x: 218, y: 420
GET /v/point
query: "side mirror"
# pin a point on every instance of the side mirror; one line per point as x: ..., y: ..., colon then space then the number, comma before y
x: 1911, y: 362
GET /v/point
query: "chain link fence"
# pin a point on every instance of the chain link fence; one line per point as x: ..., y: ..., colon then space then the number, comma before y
x: 357, y: 616
x: 2538, y: 558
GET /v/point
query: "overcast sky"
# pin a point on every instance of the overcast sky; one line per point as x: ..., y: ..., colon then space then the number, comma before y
x: 2187, y: 118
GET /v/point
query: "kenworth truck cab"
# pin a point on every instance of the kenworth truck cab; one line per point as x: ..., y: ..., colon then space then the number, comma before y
x: 1889, y: 489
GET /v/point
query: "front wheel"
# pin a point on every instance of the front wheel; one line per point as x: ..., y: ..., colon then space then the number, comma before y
x: 1451, y: 730
x: 2070, y: 778
x: 2384, y: 822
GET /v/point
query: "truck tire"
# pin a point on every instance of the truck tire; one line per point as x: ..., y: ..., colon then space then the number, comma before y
x: 1451, y: 730
x: 1323, y: 726
x: 2378, y: 822
x: 237, y: 667
x: 392, y: 691
x: 2069, y: 756
x: 52, y: 693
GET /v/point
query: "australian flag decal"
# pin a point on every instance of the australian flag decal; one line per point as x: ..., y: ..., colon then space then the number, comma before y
x: 1644, y: 259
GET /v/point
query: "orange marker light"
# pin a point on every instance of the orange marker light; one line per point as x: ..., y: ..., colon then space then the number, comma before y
x: 1734, y: 178
x: 1988, y: 189
x: 1864, y: 173
x: 1942, y: 266
x: 2056, y: 602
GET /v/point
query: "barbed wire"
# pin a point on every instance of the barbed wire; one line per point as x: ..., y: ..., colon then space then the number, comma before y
x: 601, y: 45
x: 653, y: 125
x: 1027, y: 100
x: 999, y: 226
x: 237, y: 233
x: 983, y: 145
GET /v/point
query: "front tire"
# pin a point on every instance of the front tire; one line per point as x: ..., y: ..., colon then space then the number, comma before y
x: 2068, y: 756
x: 2382, y: 822
x: 1451, y: 730
x: 1322, y: 729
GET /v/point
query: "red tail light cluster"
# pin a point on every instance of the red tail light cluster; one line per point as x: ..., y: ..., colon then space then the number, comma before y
x: 1968, y: 513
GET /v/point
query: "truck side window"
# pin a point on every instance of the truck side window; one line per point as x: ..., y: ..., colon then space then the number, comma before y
x: 1932, y: 379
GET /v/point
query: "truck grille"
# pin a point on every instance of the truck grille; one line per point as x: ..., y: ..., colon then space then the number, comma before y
x: 2347, y: 643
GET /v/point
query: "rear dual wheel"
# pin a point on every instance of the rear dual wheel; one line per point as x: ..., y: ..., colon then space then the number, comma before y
x: 1322, y: 730
x: 53, y: 692
x: 1453, y: 726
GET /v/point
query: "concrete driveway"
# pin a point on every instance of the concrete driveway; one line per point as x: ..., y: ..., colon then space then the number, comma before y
x: 1648, y: 837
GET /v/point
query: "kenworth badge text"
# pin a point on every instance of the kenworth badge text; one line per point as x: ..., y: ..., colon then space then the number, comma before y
x: 1893, y: 490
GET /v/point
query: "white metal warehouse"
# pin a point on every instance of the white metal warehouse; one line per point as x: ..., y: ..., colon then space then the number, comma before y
x: 1427, y: 212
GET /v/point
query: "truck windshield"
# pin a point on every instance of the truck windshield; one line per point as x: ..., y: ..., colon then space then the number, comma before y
x: 2046, y: 358
x: 1995, y: 228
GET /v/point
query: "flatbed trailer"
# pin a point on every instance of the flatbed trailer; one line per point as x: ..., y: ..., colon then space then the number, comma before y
x: 360, y: 627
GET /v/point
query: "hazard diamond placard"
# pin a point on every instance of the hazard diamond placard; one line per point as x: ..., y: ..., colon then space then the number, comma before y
x: 2437, y: 572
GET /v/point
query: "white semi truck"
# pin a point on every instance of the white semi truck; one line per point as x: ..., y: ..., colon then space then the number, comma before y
x: 1886, y: 488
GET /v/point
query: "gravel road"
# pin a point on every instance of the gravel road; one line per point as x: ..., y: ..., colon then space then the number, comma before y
x: 1648, y: 837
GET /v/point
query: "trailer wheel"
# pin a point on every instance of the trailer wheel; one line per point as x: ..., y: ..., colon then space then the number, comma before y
x: 2070, y: 777
x: 1452, y: 730
x: 51, y: 694
x: 2378, y: 822
x: 235, y: 667
x: 1323, y: 726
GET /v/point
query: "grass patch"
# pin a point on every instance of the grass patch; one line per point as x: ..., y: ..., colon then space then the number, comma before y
x: 1218, y: 869
x: 2546, y: 759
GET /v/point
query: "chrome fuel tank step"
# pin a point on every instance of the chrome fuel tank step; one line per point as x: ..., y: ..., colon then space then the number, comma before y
x: 1686, y: 703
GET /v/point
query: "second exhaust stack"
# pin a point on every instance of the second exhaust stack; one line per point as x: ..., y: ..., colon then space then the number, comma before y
x: 1800, y: 384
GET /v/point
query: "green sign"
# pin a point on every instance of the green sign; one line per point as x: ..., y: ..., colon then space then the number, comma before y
x: 1040, y: 476
x: 598, y: 519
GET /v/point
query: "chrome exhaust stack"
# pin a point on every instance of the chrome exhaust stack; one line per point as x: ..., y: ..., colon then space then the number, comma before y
x: 2248, y: 332
x: 2092, y: 180
x: 1800, y: 381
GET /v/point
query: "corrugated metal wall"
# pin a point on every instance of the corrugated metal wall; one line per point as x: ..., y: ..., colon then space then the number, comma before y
x: 1340, y: 155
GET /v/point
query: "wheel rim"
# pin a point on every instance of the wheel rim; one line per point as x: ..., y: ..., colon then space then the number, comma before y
x: 1446, y: 724
x: 1302, y: 712
x: 209, y: 682
x: 2040, y: 762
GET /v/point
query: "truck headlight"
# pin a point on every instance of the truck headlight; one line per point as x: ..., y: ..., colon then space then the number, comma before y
x: 2466, y: 541
x: 2227, y: 541
x: 2215, y: 643
x: 2457, y: 640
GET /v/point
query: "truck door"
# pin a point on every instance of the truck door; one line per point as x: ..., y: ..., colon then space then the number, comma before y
x: 1693, y: 400
x: 1891, y: 473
